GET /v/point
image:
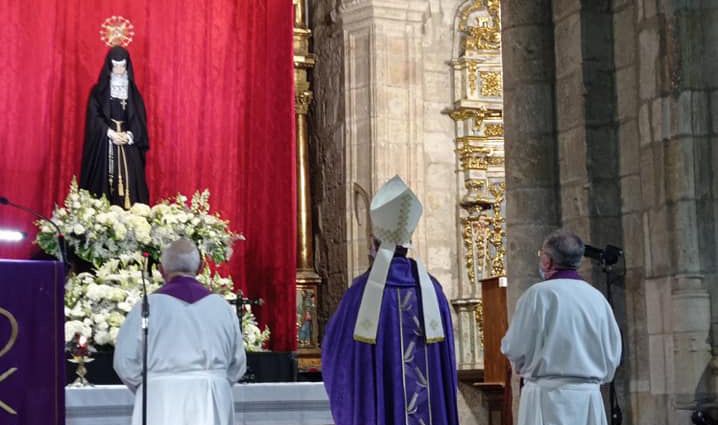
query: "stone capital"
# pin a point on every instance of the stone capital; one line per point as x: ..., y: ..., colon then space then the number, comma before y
x: 357, y: 13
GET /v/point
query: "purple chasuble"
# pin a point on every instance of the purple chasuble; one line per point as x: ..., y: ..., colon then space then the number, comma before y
x: 185, y: 288
x: 400, y: 379
x: 566, y: 274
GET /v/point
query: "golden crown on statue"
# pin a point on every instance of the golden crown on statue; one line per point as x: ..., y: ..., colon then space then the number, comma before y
x: 117, y: 31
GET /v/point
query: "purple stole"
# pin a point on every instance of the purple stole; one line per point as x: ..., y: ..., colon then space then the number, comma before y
x: 185, y: 288
x: 566, y: 274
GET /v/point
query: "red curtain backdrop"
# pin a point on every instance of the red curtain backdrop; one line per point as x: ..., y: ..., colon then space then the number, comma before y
x: 217, y: 80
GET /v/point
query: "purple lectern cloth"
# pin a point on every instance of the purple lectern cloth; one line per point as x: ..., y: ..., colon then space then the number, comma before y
x: 32, y: 298
x: 400, y: 379
x: 185, y: 288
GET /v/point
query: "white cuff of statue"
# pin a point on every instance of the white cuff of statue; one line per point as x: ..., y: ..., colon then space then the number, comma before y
x: 113, y: 135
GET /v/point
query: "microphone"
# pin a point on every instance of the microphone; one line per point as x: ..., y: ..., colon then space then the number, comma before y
x: 241, y: 300
x: 60, y: 236
x: 608, y: 256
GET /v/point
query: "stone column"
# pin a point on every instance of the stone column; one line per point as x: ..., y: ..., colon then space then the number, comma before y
x: 532, y: 198
x: 327, y: 155
x: 687, y: 191
x: 676, y: 74
x: 384, y: 126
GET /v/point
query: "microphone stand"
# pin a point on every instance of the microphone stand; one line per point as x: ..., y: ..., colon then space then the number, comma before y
x: 145, y: 328
x: 239, y: 304
x: 616, y: 413
x: 60, y: 237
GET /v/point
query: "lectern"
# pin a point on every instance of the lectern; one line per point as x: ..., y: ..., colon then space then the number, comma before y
x: 32, y: 361
x: 497, y: 375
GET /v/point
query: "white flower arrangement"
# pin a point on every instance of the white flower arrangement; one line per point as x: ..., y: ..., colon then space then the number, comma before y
x: 113, y: 241
x: 96, y: 304
x: 97, y: 231
x: 255, y: 338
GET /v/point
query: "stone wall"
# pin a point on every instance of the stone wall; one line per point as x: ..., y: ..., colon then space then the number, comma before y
x: 628, y: 160
x: 610, y: 129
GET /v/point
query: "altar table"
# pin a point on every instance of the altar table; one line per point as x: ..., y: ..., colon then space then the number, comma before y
x: 292, y: 403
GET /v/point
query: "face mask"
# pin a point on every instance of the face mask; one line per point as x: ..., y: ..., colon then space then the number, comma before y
x: 541, y: 273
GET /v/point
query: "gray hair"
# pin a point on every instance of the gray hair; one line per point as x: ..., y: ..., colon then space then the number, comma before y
x: 565, y: 249
x: 181, y: 256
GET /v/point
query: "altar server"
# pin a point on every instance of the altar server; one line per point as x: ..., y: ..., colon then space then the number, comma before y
x: 196, y: 351
x: 388, y: 353
x: 563, y: 341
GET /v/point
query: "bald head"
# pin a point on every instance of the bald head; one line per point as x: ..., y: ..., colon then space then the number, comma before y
x: 180, y: 257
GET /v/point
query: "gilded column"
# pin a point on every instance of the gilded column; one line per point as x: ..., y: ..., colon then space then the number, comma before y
x: 307, y: 278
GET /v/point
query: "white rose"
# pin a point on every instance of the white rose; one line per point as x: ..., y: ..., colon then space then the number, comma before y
x: 140, y: 209
x: 102, y: 337
x: 77, y: 312
x: 120, y: 230
x: 88, y: 214
x: 115, y: 319
x: 113, y: 334
x: 118, y: 294
x: 103, y: 326
x: 78, y: 229
x: 94, y: 291
x: 102, y: 218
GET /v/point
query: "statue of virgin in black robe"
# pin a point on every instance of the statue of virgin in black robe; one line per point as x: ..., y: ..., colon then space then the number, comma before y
x: 113, y: 161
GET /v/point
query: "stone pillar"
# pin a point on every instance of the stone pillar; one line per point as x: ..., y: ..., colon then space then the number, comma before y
x: 693, y: 252
x: 675, y: 77
x: 587, y: 141
x: 532, y: 198
x: 327, y: 155
x: 636, y: 357
x: 384, y: 126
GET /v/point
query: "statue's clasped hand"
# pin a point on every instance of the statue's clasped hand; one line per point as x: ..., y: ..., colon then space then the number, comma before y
x: 119, y: 138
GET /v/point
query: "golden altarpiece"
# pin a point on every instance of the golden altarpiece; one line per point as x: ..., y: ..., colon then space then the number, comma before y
x: 477, y: 112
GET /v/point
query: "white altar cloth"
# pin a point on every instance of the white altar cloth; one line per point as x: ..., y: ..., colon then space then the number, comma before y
x: 291, y: 403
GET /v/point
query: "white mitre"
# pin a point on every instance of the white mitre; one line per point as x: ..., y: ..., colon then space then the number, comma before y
x: 395, y: 212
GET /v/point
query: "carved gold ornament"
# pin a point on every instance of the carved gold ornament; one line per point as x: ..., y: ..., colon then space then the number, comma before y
x: 491, y: 84
x: 485, y: 32
x: 117, y: 31
x: 494, y: 130
x: 479, y: 318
